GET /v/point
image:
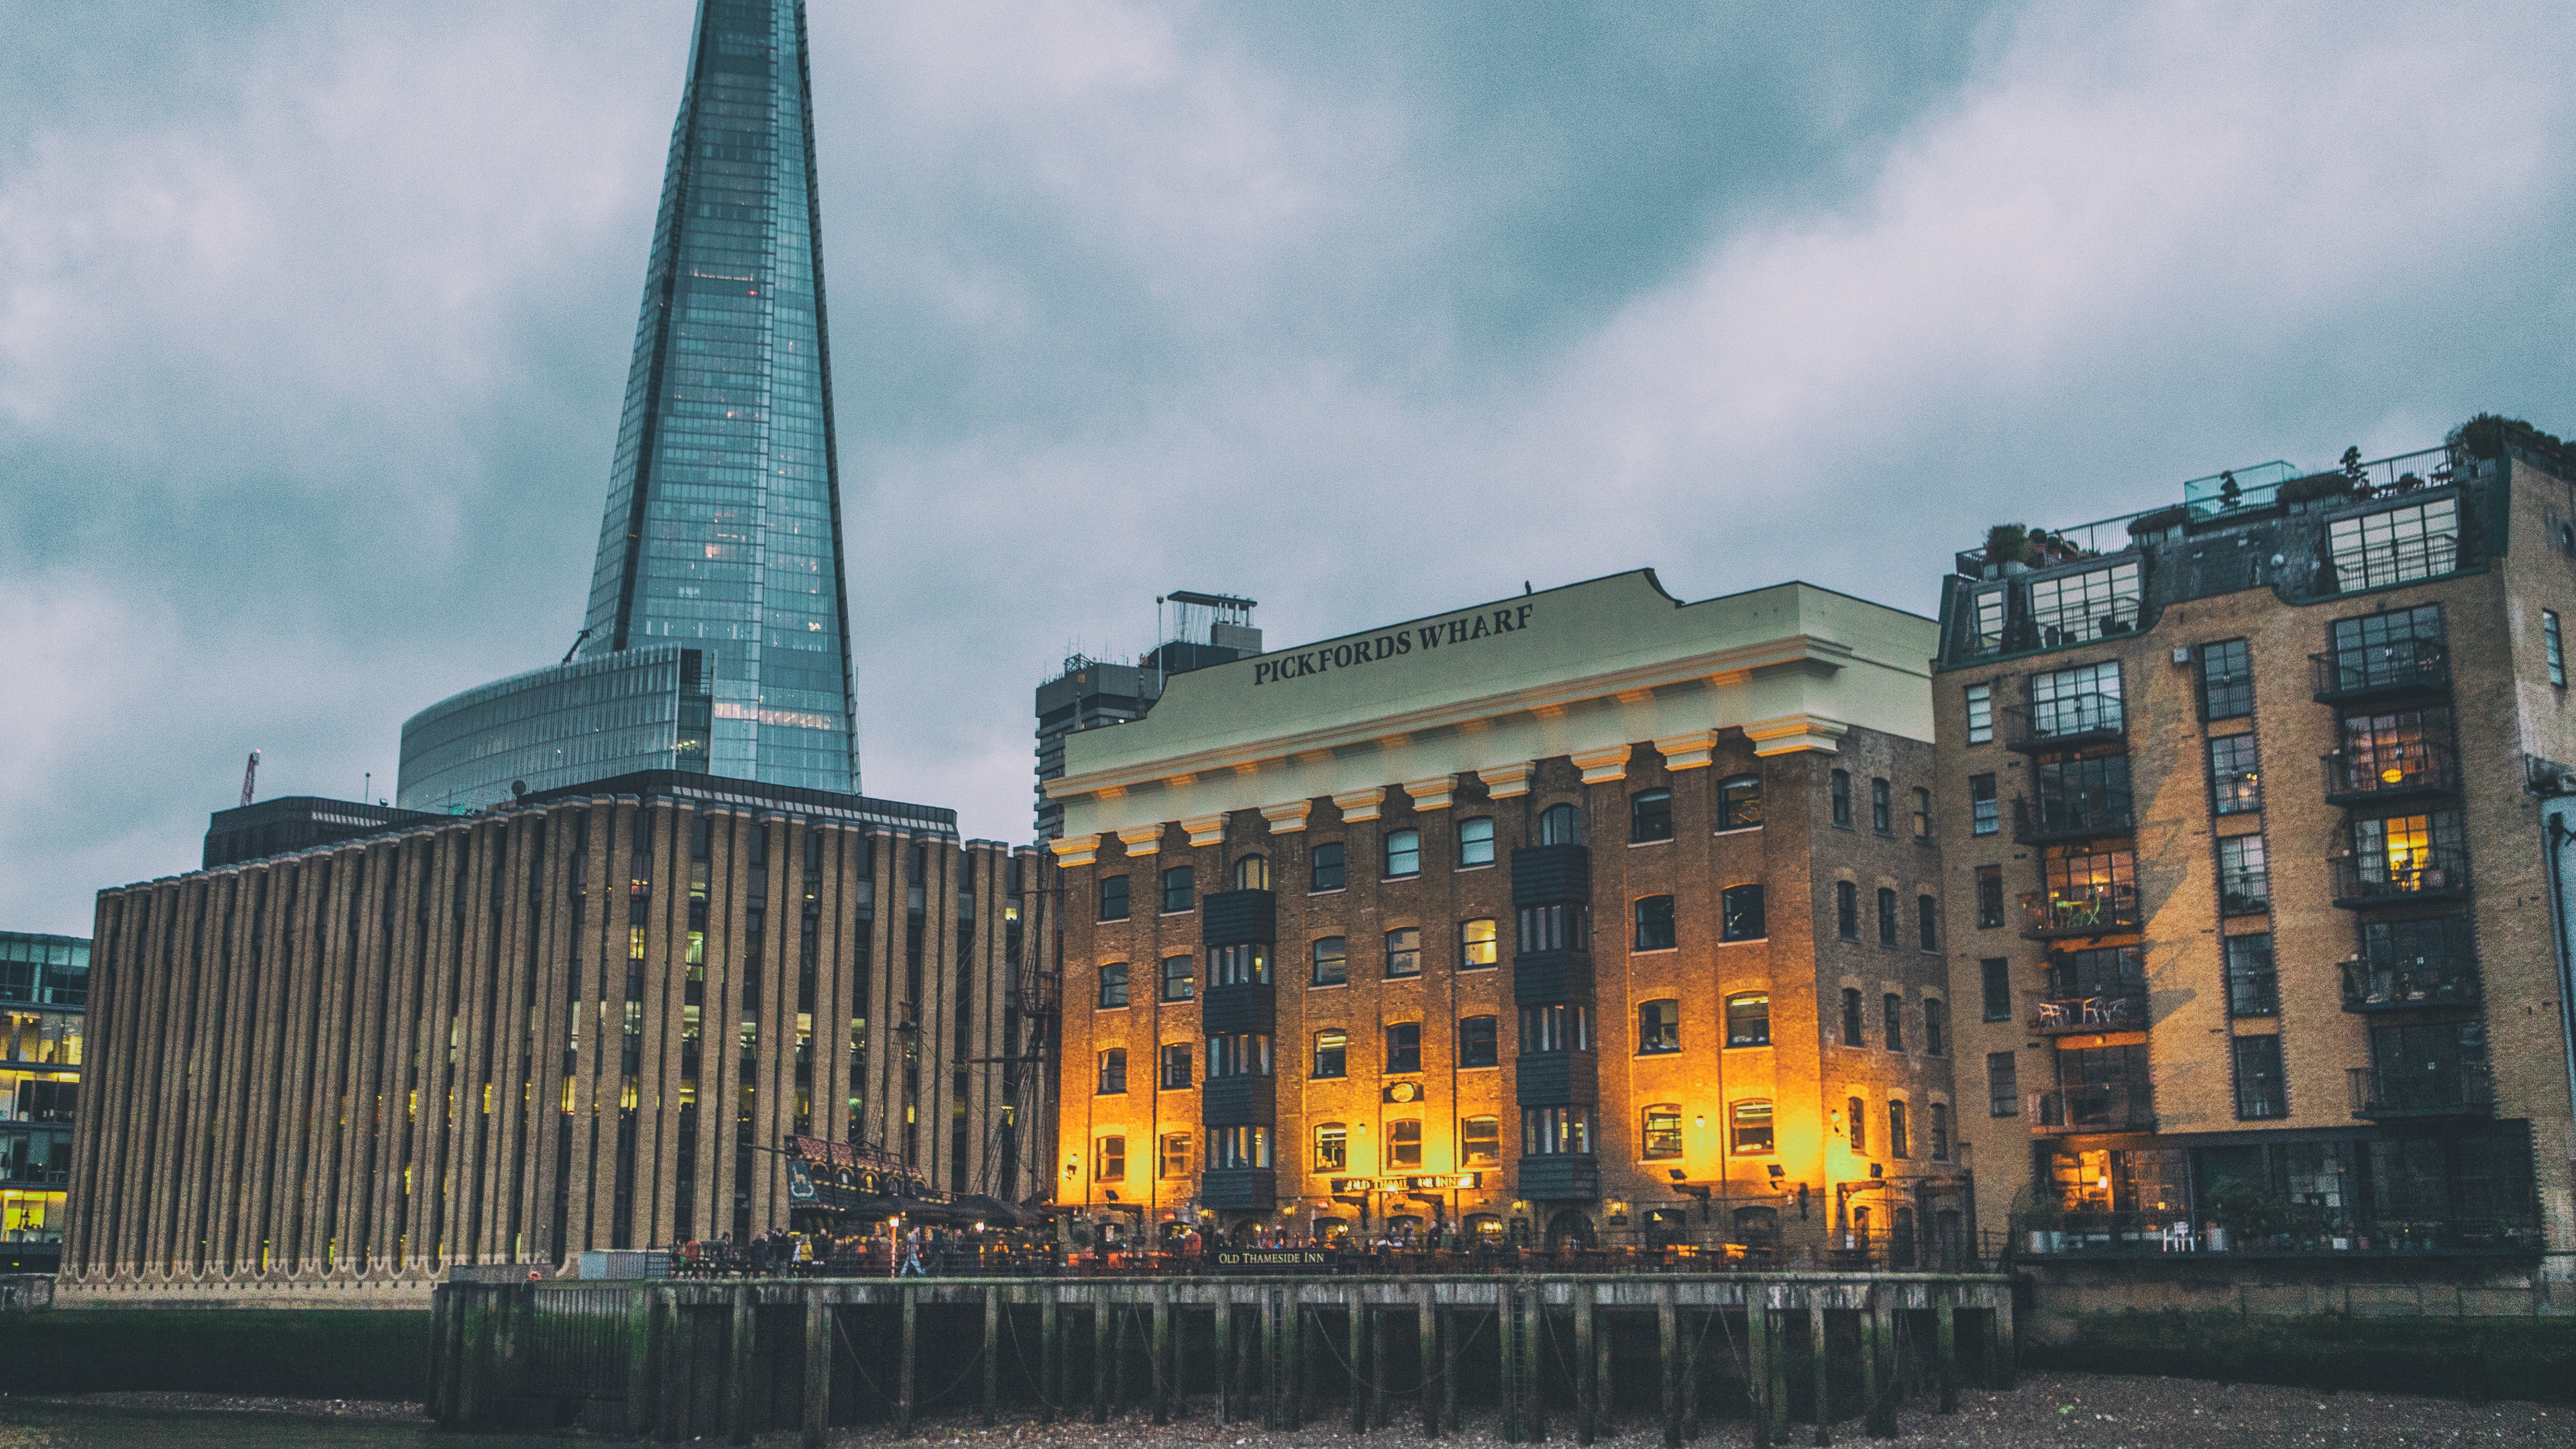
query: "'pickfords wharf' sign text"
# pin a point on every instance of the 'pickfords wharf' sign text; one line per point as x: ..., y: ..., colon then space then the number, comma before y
x: 1324, y: 659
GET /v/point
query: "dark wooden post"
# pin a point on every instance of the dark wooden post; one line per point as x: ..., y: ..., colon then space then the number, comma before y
x: 1161, y: 1348
x: 992, y: 1352
x: 1357, y: 1329
x: 1225, y: 1355
x: 1605, y: 1378
x: 1587, y: 1369
x: 1506, y: 1316
x: 1758, y: 1353
x: 1379, y: 1323
x: 1947, y: 1350
x: 907, y: 1359
x: 1427, y: 1348
x: 1119, y: 1395
x: 818, y: 1368
x: 1668, y: 1331
x: 1293, y: 1323
x: 679, y: 1368
x: 1533, y: 1324
x: 1100, y: 1354
x: 738, y: 1363
x: 1819, y: 1363
x: 1694, y: 1351
x: 640, y: 1320
x: 1999, y: 1328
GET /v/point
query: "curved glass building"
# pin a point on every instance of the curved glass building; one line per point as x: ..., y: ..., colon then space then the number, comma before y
x: 722, y: 534
x: 612, y: 714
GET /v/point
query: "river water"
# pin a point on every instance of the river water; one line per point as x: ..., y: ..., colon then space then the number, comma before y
x: 92, y: 1426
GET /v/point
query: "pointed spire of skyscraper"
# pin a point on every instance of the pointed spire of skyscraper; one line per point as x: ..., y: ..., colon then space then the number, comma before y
x: 722, y: 531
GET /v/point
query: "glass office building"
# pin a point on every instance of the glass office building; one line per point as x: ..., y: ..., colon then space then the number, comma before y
x: 44, y: 991
x: 611, y: 714
x: 722, y: 530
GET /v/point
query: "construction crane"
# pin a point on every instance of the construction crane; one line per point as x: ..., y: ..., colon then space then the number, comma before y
x: 576, y: 645
x: 250, y: 774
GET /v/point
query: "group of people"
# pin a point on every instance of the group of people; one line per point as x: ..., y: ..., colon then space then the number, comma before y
x: 908, y: 1250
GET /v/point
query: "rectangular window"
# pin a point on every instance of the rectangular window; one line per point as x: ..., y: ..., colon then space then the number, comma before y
x: 1176, y: 1067
x: 1559, y: 1028
x: 1856, y: 1123
x: 1113, y: 1072
x: 1238, y: 1054
x: 1332, y: 1053
x: 1662, y: 1132
x: 1886, y: 916
x: 1893, y: 1009
x: 1403, y: 853
x: 2551, y: 648
x: 1176, y: 1154
x: 1740, y: 914
x: 2095, y: 604
x: 1838, y: 787
x: 1110, y: 1160
x: 1985, y: 812
x: 1990, y: 621
x: 2244, y: 879
x: 1659, y: 1027
x: 1654, y: 923
x: 2235, y: 779
x: 1476, y: 946
x: 2003, y: 1090
x: 1113, y: 984
x: 1748, y: 1020
x: 1326, y: 866
x: 1882, y: 808
x: 1332, y: 1147
x: 1995, y: 977
x: 1927, y: 923
x: 1990, y: 897
x: 1922, y: 814
x: 1739, y: 802
x: 1749, y: 1129
x: 1936, y: 1026
x: 1476, y: 841
x: 2395, y: 545
x: 1556, y: 1131
x: 1940, y: 1115
x: 1178, y: 890
x: 1239, y: 965
x: 2252, y: 989
x: 1232, y: 1149
x: 1480, y: 1139
x: 2409, y: 853
x: 2258, y: 1079
x: 1332, y: 965
x: 2090, y: 889
x: 1403, y: 1047
x: 1404, y: 1146
x: 1650, y: 816
x: 1478, y: 1044
x: 2226, y: 680
x: 1403, y: 953
x: 1981, y: 714
x: 1852, y: 1035
x: 1180, y: 978
x: 2085, y: 700
x: 2400, y: 647
x: 1847, y: 910
x: 1113, y: 898
x: 1900, y: 1133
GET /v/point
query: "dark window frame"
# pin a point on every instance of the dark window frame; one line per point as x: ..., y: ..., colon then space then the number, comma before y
x: 1651, y: 925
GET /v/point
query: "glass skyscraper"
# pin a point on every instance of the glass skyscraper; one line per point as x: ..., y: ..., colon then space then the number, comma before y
x: 721, y: 542
x: 722, y: 530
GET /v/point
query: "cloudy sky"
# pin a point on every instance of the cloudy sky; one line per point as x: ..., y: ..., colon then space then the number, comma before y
x: 314, y: 319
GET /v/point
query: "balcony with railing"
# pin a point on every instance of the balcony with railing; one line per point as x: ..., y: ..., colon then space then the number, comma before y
x: 2400, y: 984
x: 2436, y: 873
x: 2111, y: 1107
x: 2423, y: 770
x: 2422, y: 1089
x: 2116, y: 1011
x: 2079, y: 911
x: 2075, y: 721
x: 2390, y: 670
x: 2078, y: 816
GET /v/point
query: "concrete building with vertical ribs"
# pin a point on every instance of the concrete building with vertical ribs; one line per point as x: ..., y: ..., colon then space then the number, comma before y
x: 1584, y: 915
x: 586, y: 1020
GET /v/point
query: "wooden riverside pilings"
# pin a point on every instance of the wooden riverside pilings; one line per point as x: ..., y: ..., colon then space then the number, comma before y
x: 733, y: 1359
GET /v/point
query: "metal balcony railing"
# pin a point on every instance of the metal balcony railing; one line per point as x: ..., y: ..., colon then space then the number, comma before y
x: 2073, y: 817
x: 2432, y: 1089
x: 2397, y: 668
x: 2079, y: 912
x: 2066, y: 722
x: 2125, y: 1011
x: 2423, y: 769
x: 2116, y: 1107
x: 2438, y: 873
x: 2395, y: 984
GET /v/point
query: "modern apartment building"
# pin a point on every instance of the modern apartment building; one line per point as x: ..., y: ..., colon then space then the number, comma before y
x: 44, y: 995
x: 1587, y: 915
x: 2247, y: 886
x: 589, y: 1019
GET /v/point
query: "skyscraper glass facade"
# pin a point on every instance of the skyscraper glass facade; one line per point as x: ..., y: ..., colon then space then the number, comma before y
x: 722, y: 531
x: 44, y: 993
x: 645, y: 708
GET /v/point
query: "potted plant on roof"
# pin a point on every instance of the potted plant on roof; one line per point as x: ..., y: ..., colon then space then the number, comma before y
x: 2007, y: 549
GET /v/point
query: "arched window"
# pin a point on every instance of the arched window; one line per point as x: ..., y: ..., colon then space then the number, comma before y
x: 1748, y: 1020
x: 1252, y: 873
x: 1757, y: 1225
x: 1748, y: 1126
x: 1650, y: 815
x: 1839, y: 785
x: 1881, y: 808
x: 1739, y: 914
x: 1886, y: 916
x: 1659, y: 1027
x: 1654, y: 923
x: 1739, y: 802
x: 1560, y: 825
x: 1332, y: 1147
x: 1661, y: 1135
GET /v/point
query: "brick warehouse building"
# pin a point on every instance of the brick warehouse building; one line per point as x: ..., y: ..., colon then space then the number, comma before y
x: 2248, y: 895
x: 1551, y: 918
x: 492, y: 1039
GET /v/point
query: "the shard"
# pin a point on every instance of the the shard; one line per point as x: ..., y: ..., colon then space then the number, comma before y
x: 722, y: 531
x: 717, y: 635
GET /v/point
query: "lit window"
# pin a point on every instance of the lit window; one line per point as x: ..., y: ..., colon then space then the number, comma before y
x: 1748, y: 1020
x: 1332, y: 1147
x: 1176, y: 1154
x: 1662, y: 1134
x: 1109, y: 1160
x: 1332, y: 1053
x: 1476, y: 943
x: 2235, y: 775
x: 1480, y: 1139
x: 1749, y: 1128
x: 1659, y: 1027
x: 1404, y: 1146
x: 1252, y: 873
x: 1113, y: 1072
